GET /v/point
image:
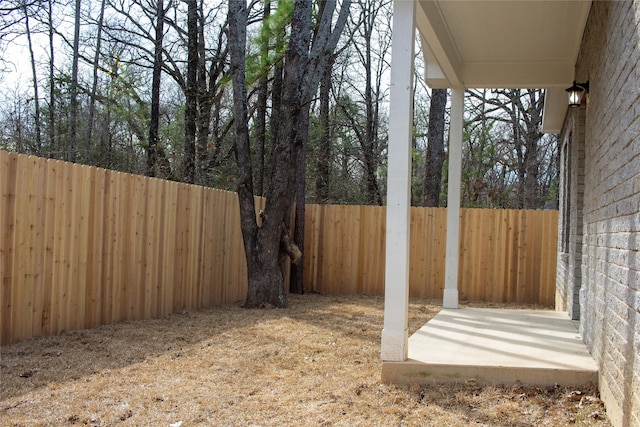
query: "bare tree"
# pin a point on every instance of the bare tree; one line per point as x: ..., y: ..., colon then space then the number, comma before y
x: 52, y: 86
x: 434, y: 159
x: 323, y: 160
x: 191, y: 92
x: 510, y: 158
x: 94, y: 86
x: 36, y: 95
x: 152, y: 156
x: 370, y: 45
x: 263, y: 94
x: 306, y: 58
x: 73, y: 104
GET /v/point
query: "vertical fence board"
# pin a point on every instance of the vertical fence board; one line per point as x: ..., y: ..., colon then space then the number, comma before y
x: 235, y: 255
x: 550, y: 239
x: 354, y: 246
x: 121, y: 242
x: 39, y: 227
x: 169, y: 256
x: 138, y: 245
x: 108, y: 223
x: 216, y: 228
x: 498, y: 258
x: 48, y: 241
x: 310, y: 248
x: 86, y: 236
x: 512, y: 254
x: 373, y: 224
x: 25, y: 242
x: 464, y: 266
x: 58, y: 279
x: 150, y: 242
x: 436, y: 244
x: 7, y: 213
x: 320, y: 266
x: 206, y: 265
x: 417, y: 250
x: 98, y: 230
x: 195, y: 245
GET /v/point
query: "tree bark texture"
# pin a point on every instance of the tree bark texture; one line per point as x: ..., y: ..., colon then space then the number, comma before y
x: 36, y: 96
x: 434, y: 159
x: 190, y: 110
x: 323, y: 164
x: 52, y: 86
x: 73, y: 104
x: 152, y: 154
x: 261, y: 119
x: 266, y: 283
x: 304, y: 63
x: 94, y: 85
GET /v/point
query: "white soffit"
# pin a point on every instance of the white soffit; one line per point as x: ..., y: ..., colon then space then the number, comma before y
x: 504, y: 44
x: 501, y: 43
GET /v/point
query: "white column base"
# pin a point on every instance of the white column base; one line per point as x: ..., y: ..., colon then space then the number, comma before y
x: 450, y: 298
x: 394, y: 345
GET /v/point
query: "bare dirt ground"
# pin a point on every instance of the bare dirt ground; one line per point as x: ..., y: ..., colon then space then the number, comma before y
x: 316, y: 363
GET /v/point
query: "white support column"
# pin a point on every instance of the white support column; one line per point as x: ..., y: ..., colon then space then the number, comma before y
x: 396, y: 293
x: 450, y: 299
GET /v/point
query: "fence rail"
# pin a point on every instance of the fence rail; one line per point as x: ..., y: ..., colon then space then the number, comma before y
x: 82, y: 246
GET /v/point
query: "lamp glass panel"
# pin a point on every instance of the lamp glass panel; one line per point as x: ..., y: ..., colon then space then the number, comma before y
x: 575, y: 96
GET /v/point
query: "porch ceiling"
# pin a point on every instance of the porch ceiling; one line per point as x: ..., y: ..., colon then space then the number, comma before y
x: 504, y: 44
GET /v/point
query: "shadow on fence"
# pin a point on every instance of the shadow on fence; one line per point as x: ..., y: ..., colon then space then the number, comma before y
x: 505, y: 255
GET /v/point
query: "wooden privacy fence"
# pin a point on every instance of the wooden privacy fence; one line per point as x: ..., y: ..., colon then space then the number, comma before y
x: 505, y: 255
x: 82, y: 246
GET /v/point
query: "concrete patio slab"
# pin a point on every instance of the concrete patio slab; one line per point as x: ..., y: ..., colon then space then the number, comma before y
x: 496, y: 346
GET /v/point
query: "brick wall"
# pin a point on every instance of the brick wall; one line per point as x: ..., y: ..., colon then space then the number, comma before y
x: 569, y: 264
x: 610, y: 293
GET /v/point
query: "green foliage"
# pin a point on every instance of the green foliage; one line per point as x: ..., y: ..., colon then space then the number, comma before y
x: 270, y: 42
x: 417, y: 175
x: 554, y: 192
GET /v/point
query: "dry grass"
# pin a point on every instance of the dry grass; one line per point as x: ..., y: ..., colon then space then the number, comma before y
x: 316, y: 363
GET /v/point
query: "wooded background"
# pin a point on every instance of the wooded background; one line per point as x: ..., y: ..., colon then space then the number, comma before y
x: 82, y: 246
x: 106, y: 83
x: 283, y: 99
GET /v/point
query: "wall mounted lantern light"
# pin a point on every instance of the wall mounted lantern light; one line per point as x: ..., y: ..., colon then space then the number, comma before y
x: 576, y: 92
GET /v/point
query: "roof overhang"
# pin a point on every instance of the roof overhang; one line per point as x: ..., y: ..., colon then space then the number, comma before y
x: 504, y: 44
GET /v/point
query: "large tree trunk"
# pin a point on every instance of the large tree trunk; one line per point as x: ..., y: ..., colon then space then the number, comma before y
x: 73, y: 105
x: 303, y: 66
x: 435, y: 148
x: 297, y: 276
x: 36, y: 96
x: 191, y: 92
x: 152, y: 153
x: 261, y: 118
x: 205, y: 103
x: 265, y: 281
x: 324, y: 143
x: 533, y: 122
x: 52, y: 86
x: 94, y: 86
